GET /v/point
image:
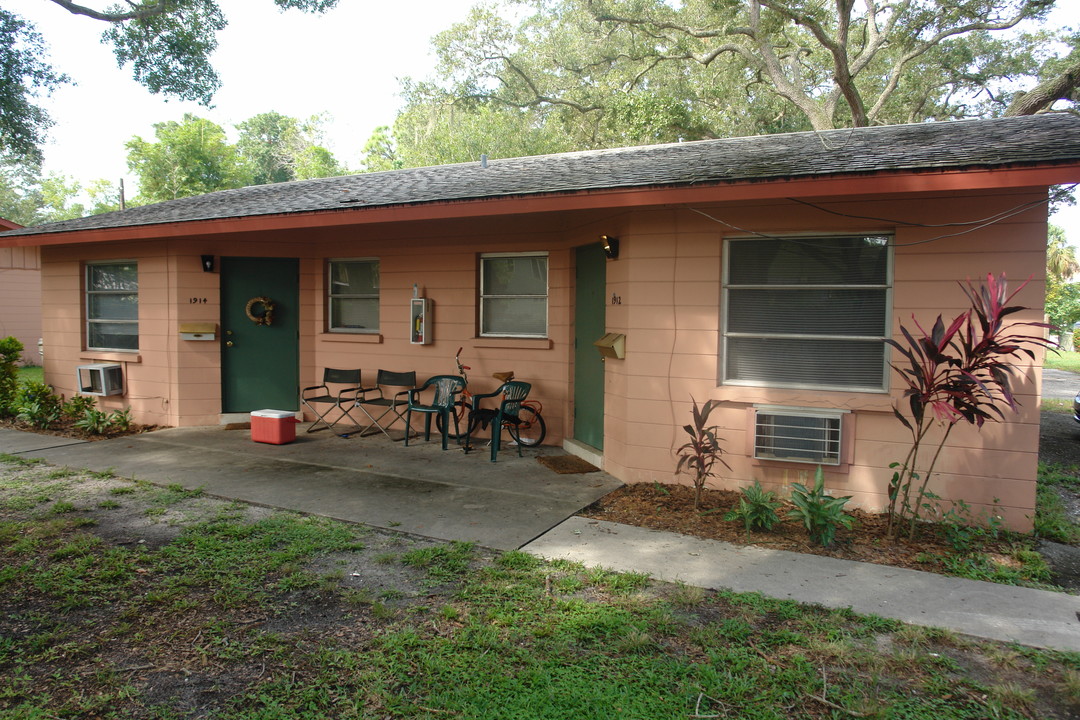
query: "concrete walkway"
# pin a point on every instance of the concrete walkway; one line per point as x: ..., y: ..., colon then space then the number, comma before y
x: 998, y: 612
x: 518, y: 503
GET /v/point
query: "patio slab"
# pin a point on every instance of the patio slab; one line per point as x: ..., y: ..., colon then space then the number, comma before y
x: 420, y: 489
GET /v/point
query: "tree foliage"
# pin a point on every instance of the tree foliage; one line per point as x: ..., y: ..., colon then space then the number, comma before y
x: 194, y: 156
x: 29, y: 198
x: 278, y: 148
x: 168, y: 45
x: 1062, y: 295
x: 24, y: 78
x: 190, y: 157
x: 603, y: 73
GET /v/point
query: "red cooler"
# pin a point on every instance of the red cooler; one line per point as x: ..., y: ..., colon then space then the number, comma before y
x: 275, y: 427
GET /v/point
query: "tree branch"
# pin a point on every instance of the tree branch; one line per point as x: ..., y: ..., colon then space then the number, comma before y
x: 140, y: 12
x: 1043, y: 95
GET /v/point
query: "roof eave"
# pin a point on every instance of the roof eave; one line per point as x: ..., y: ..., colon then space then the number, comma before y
x: 918, y: 180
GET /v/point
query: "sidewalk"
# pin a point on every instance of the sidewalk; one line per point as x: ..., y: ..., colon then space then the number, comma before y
x: 519, y: 503
x: 987, y: 610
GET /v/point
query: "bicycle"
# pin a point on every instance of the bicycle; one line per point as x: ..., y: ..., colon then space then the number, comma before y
x: 529, y: 431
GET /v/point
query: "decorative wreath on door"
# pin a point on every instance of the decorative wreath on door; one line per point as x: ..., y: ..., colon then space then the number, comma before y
x: 260, y: 318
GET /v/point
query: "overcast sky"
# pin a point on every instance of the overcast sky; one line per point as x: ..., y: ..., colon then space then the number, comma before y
x: 346, y: 63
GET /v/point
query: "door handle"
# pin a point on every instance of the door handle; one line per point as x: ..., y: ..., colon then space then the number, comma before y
x: 228, y: 343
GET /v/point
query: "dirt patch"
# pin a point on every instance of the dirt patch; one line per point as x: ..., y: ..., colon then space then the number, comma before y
x: 567, y: 464
x: 1059, y: 442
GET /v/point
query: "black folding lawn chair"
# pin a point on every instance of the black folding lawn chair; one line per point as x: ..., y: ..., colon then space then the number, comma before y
x: 322, y: 400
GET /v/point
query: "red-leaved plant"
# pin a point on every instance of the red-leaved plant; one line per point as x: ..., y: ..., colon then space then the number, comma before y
x: 697, y: 457
x: 954, y: 373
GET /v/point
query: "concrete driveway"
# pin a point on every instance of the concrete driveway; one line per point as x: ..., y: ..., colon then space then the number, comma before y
x: 420, y: 489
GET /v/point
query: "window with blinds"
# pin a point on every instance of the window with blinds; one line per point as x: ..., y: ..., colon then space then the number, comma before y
x: 807, y: 312
x: 805, y: 435
x: 112, y: 306
x: 514, y: 295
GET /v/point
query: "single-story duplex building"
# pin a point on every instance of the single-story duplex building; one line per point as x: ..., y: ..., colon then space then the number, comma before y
x: 20, y: 295
x: 763, y: 272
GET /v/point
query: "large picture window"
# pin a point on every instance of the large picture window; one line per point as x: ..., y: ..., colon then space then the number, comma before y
x: 112, y: 306
x: 353, y: 296
x: 514, y: 295
x: 807, y: 312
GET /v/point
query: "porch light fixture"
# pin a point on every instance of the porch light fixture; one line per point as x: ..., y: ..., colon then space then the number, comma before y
x: 611, y: 246
x: 207, y: 263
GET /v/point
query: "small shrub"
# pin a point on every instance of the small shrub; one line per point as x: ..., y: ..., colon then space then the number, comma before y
x: 757, y: 509
x: 10, y: 350
x: 820, y: 513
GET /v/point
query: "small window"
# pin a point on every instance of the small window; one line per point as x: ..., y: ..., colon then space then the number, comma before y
x: 804, y: 435
x: 112, y: 306
x: 514, y: 295
x: 353, y: 296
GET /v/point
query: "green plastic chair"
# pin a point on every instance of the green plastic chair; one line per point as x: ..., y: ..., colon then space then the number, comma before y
x: 513, y: 392
x: 447, y: 389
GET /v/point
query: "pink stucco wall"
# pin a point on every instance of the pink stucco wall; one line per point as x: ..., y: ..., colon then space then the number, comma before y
x: 668, y: 280
x: 20, y: 298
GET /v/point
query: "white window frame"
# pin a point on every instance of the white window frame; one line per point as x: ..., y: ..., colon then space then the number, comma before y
x: 485, y: 296
x: 331, y: 321
x: 886, y: 287
x: 832, y: 447
x: 90, y: 292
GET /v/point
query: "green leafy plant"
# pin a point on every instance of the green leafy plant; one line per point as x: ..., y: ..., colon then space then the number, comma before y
x: 819, y: 512
x: 963, y: 530
x: 77, y: 406
x: 121, y: 419
x: 955, y: 373
x: 94, y: 422
x: 701, y: 453
x: 756, y: 509
x: 10, y: 352
x: 37, y: 405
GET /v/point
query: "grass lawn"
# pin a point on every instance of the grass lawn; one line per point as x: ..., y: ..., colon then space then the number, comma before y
x: 1062, y: 360
x: 119, y: 599
x: 31, y: 373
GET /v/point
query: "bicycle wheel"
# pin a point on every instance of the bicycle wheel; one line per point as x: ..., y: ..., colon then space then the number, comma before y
x: 531, y: 430
x: 465, y: 423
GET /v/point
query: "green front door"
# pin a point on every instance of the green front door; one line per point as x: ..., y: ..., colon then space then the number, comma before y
x: 590, y: 280
x: 259, y: 360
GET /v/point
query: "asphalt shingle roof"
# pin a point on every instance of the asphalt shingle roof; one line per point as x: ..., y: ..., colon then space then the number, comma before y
x: 1018, y: 141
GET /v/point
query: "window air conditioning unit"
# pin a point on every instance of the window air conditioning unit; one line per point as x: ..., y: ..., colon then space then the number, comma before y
x: 100, y: 379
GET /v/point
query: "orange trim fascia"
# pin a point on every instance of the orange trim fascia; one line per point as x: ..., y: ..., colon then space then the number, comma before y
x: 920, y: 181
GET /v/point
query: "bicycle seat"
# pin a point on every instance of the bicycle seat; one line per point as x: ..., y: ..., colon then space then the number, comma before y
x: 503, y: 376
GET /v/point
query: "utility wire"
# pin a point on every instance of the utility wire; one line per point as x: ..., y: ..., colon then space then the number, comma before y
x: 973, y: 225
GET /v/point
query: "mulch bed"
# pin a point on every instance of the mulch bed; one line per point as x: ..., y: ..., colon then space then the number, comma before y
x: 671, y: 508
x: 66, y: 428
